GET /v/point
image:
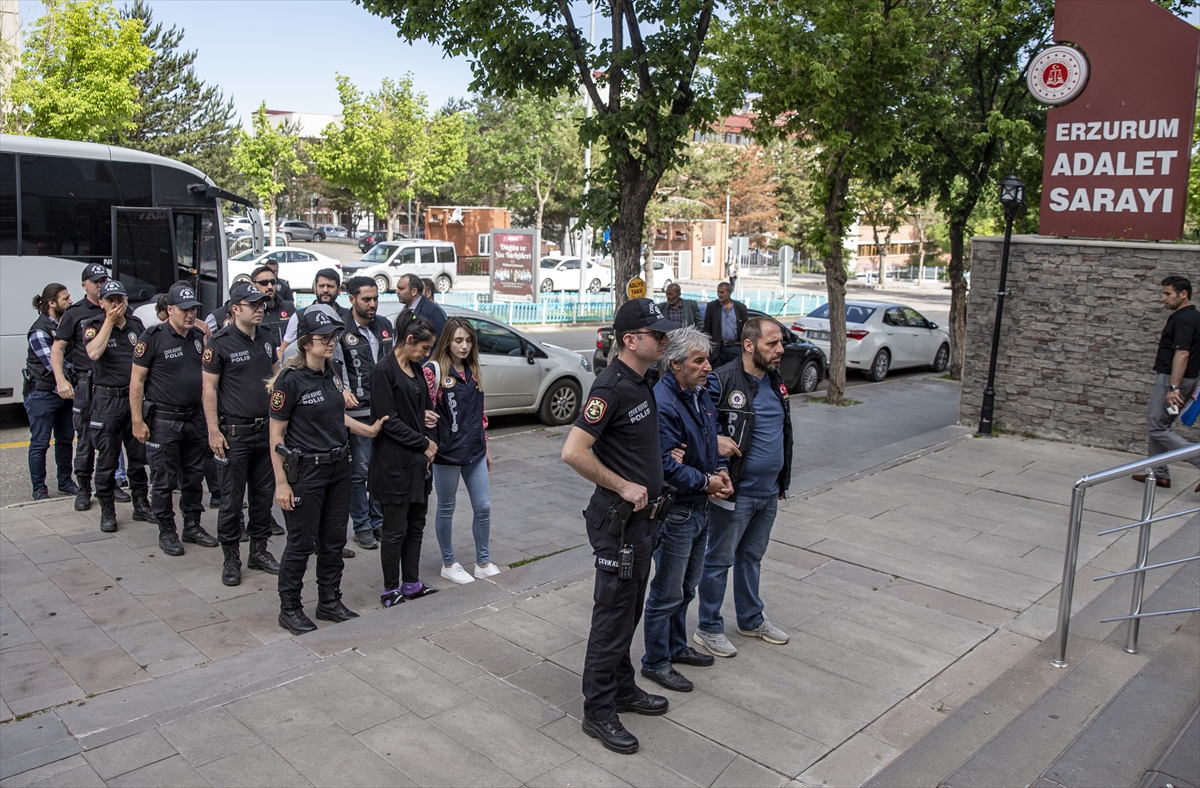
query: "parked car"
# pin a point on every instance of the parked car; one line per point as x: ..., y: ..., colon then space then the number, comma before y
x: 367, y: 240
x: 803, y: 365
x: 880, y: 337
x: 240, y: 241
x: 562, y: 273
x: 520, y: 374
x: 390, y: 260
x: 298, y: 266
x: 235, y: 223
x: 297, y: 230
x: 333, y: 231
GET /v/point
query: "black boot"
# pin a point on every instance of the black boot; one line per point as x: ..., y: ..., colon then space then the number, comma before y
x: 291, y: 616
x: 83, y: 496
x: 141, y: 507
x: 231, y: 570
x: 245, y: 535
x: 168, y: 539
x: 108, y: 516
x: 330, y: 607
x: 194, y: 532
x: 120, y: 496
x: 261, y: 558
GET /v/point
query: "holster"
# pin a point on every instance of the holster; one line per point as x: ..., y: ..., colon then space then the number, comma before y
x: 291, y: 464
x: 617, y: 516
x: 147, y: 411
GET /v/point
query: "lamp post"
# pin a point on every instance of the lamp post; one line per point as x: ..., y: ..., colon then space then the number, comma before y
x: 1012, y: 197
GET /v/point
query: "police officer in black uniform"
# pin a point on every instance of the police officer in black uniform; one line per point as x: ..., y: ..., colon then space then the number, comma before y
x: 237, y: 361
x: 72, y: 368
x: 312, y: 469
x: 276, y: 309
x: 614, y: 444
x: 110, y: 343
x: 164, y: 396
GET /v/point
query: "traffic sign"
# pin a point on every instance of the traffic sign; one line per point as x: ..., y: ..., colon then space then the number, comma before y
x: 636, y: 287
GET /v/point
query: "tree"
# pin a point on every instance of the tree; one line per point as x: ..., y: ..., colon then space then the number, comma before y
x: 753, y: 204
x: 266, y: 158
x: 1192, y: 215
x: 75, y: 78
x: 641, y: 81
x: 836, y: 76
x: 881, y: 206
x: 178, y: 115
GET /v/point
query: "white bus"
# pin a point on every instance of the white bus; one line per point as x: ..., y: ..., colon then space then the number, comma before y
x: 149, y: 219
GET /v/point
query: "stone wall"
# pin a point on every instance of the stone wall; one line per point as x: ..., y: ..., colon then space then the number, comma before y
x: 1080, y: 328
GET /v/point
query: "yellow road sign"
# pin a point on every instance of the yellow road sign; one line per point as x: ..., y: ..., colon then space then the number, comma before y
x: 636, y: 288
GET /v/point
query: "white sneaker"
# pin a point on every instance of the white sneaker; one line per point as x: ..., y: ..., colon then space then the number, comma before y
x: 488, y: 571
x: 456, y: 574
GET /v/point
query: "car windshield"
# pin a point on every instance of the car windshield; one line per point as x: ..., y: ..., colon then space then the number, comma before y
x: 379, y: 254
x: 249, y: 254
x: 855, y: 313
x: 550, y: 262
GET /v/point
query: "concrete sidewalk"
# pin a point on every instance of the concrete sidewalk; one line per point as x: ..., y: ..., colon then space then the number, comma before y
x: 910, y: 575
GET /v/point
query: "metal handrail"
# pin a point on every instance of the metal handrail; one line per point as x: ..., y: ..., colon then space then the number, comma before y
x: 1074, y: 524
x: 1151, y: 521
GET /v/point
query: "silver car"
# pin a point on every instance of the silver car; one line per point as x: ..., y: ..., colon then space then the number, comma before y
x: 521, y: 374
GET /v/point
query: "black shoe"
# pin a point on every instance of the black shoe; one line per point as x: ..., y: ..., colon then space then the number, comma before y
x: 168, y: 542
x: 194, y: 532
x: 425, y: 591
x: 642, y: 702
x: 391, y: 598
x: 214, y: 502
x: 612, y: 735
x: 670, y: 678
x: 276, y: 528
x: 690, y: 656
x: 120, y: 496
x: 260, y: 558
x: 108, y: 517
x: 141, y: 508
x: 377, y: 533
x: 245, y: 536
x: 70, y: 488
x: 366, y: 540
x: 231, y: 570
x: 83, y: 498
x: 334, y: 610
x: 347, y: 552
x: 294, y: 621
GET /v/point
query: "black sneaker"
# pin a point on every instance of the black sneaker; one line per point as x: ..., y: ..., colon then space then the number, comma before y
x: 690, y: 656
x: 670, y: 678
x: 168, y: 542
x: 612, y: 735
x: 366, y: 540
x: 70, y: 488
x: 334, y: 611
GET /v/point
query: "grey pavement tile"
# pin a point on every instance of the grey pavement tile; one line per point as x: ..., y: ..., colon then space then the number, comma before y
x: 351, y: 703
x: 157, y: 647
x: 485, y: 649
x: 571, y: 616
x: 515, y: 702
x: 36, y: 601
x: 128, y: 754
x: 47, y: 699
x: 217, y: 641
x: 546, y: 681
x: 246, y: 605
x: 960, y: 606
x: 13, y: 631
x: 208, y: 736
x: 259, y: 766
x: 527, y: 631
x: 54, y: 772
x: 1179, y: 661
x: 332, y: 757
x: 743, y: 773
x: 31, y: 676
x: 677, y: 748
x: 571, y: 658
x: 749, y: 734
x: 794, y: 556
x: 76, y: 574
x: 112, y: 606
x: 429, y: 757
x: 1031, y: 675
x: 919, y: 624
x: 906, y: 723
x: 182, y: 610
x: 33, y: 733
x: 278, y: 715
x: 147, y: 580
x: 634, y: 769
x: 410, y: 683
x: 104, y: 671
x: 1101, y: 674
x: 5, y: 713
x: 18, y: 570
x: 522, y: 751
x: 47, y: 549
x: 577, y: 771
x: 1036, y: 621
x: 46, y: 756
x: 70, y: 634
x: 174, y: 771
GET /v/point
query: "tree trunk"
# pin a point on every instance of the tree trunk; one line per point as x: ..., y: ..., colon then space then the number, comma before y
x: 393, y: 213
x: 637, y: 187
x: 835, y: 283
x: 878, y: 253
x: 958, y: 298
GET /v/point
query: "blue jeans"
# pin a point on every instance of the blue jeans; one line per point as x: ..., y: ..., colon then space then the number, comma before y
x: 736, y: 539
x: 365, y: 513
x: 445, y: 481
x: 49, y: 414
x: 678, y: 564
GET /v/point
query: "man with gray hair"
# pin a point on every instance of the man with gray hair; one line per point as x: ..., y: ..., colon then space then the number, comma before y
x: 687, y: 429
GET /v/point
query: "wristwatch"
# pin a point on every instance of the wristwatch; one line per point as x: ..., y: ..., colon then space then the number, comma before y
x: 1172, y: 388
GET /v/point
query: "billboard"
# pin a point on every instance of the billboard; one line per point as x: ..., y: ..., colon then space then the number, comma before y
x: 513, y: 263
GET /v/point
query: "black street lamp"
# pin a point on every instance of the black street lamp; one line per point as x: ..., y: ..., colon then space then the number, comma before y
x: 1012, y: 197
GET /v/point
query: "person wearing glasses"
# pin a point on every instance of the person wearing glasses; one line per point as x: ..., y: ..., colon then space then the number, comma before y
x: 615, y: 445
x: 238, y: 359
x: 283, y: 289
x: 312, y: 485
x: 277, y: 310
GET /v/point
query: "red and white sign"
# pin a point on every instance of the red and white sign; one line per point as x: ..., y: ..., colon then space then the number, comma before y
x: 513, y: 263
x: 1116, y: 161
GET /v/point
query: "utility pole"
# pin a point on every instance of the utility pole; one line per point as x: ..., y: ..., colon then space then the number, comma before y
x: 585, y: 246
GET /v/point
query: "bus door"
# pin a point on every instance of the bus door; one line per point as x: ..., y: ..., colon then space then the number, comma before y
x: 155, y: 247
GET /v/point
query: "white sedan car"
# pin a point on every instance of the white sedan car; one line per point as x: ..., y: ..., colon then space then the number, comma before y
x: 562, y: 273
x: 881, y: 337
x: 298, y: 266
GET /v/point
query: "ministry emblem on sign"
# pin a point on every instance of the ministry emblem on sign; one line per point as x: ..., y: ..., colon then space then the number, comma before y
x: 1057, y: 75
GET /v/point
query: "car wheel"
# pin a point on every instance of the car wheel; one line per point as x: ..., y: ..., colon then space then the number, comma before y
x: 383, y: 284
x: 318, y: 237
x: 667, y: 284
x: 880, y: 366
x: 942, y: 359
x: 810, y: 377
x: 443, y: 283
x: 547, y: 286
x: 241, y: 279
x: 561, y: 403
x: 594, y: 286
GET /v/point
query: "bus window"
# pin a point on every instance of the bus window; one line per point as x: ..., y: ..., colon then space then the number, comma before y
x: 65, y: 206
x: 134, y: 180
x: 185, y: 241
x: 8, y: 203
x: 142, y: 257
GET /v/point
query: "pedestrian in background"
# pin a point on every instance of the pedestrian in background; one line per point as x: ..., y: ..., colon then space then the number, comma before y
x: 277, y: 311
x: 1176, y: 368
x: 408, y: 290
x: 682, y: 312
x: 400, y: 476
x: 454, y: 384
x: 49, y: 414
x: 724, y: 320
x: 283, y: 289
x: 427, y: 288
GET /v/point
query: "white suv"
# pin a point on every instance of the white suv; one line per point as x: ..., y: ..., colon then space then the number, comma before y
x: 390, y: 260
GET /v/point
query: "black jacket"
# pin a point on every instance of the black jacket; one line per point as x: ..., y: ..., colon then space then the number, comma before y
x: 738, y: 422
x: 712, y: 320
x: 399, y: 472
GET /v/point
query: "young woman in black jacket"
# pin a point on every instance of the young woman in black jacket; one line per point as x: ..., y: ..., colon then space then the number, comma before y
x: 399, y: 477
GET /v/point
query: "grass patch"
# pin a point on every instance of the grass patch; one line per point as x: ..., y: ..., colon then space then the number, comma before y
x: 524, y: 561
x: 946, y: 376
x: 845, y: 403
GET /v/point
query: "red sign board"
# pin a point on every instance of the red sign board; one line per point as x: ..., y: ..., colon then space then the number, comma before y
x: 513, y: 263
x: 1117, y: 156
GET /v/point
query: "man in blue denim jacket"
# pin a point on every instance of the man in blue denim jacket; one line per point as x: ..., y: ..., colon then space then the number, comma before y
x: 687, y: 429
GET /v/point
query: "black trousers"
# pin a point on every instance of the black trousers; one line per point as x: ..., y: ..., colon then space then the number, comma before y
x: 316, y: 524
x: 247, y: 472
x: 85, y: 453
x: 617, y: 608
x: 111, y: 428
x: 403, y: 531
x: 212, y: 475
x: 176, y: 451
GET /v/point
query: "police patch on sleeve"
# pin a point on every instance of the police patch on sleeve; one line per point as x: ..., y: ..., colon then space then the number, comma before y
x: 737, y: 399
x: 208, y: 356
x: 139, y: 349
x: 199, y: 345
x: 337, y: 383
x: 277, y: 399
x: 90, y: 333
x: 268, y: 350
x: 132, y: 338
x: 594, y: 410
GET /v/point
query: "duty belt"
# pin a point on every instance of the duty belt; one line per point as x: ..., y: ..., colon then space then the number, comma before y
x: 234, y: 427
x: 174, y: 415
x: 326, y: 458
x: 111, y: 392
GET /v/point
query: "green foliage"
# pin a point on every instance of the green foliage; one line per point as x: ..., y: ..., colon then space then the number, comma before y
x: 75, y: 78
x: 1192, y: 217
x: 266, y: 158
